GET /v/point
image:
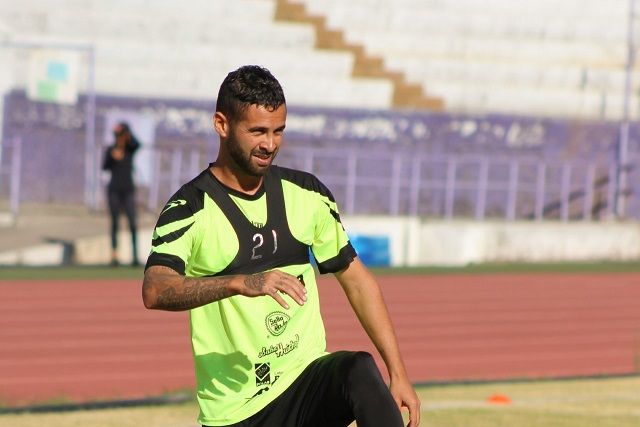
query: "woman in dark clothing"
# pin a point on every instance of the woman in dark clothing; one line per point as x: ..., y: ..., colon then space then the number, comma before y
x: 121, y: 190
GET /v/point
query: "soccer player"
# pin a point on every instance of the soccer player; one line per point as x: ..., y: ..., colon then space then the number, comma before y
x: 233, y: 247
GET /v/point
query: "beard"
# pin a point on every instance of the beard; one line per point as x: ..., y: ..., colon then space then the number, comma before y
x: 244, y: 160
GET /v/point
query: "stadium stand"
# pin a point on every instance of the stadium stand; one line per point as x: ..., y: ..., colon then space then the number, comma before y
x: 471, y: 57
x: 162, y: 56
x: 535, y: 58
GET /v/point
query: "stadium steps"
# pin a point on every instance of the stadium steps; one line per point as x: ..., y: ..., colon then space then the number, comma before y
x: 405, y: 94
x: 465, y: 52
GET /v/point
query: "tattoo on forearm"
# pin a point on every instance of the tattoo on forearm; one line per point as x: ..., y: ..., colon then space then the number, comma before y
x: 194, y: 293
x: 255, y: 281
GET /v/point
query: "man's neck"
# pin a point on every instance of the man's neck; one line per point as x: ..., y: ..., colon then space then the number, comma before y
x: 236, y: 180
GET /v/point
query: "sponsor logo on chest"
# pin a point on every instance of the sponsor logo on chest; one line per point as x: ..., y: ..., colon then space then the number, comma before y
x: 276, y: 322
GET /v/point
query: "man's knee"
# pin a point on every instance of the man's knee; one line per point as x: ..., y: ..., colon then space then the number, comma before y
x: 372, y: 403
x: 363, y: 369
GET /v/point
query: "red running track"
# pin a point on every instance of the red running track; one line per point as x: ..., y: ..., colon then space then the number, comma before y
x: 93, y: 340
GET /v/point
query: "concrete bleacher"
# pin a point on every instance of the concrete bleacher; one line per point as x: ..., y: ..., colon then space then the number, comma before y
x: 489, y: 56
x: 543, y: 58
x: 166, y: 49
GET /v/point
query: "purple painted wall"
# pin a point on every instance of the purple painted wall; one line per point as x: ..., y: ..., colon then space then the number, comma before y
x: 54, y: 143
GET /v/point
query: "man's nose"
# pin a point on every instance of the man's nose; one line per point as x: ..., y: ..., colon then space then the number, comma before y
x: 269, y: 142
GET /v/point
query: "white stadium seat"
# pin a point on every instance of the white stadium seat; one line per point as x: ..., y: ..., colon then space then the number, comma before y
x: 183, y: 50
x: 477, y: 55
x: 498, y: 55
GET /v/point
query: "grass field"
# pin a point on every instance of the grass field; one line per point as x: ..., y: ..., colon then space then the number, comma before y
x: 126, y: 272
x: 610, y: 402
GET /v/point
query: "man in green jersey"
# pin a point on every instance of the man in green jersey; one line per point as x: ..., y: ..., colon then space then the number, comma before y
x: 233, y: 246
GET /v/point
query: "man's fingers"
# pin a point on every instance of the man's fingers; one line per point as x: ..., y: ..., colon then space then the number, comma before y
x: 276, y: 296
x: 414, y: 415
x: 295, y: 293
x: 274, y: 282
x: 291, y: 286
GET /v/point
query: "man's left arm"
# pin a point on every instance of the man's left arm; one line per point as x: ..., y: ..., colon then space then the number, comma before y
x: 365, y: 297
x: 132, y: 144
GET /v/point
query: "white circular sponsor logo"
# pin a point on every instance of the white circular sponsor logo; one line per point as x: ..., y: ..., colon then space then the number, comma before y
x: 276, y: 322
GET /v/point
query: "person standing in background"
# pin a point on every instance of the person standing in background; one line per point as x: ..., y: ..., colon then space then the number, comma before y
x: 118, y: 160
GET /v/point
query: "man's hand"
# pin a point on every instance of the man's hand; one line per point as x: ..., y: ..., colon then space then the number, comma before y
x: 117, y: 153
x: 272, y: 283
x: 405, y: 396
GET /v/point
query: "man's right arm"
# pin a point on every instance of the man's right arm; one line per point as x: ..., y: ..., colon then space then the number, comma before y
x: 107, y: 162
x: 166, y: 289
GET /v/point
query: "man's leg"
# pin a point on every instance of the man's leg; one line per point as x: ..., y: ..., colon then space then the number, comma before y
x: 130, y: 210
x: 333, y: 391
x: 114, y: 212
x: 357, y: 391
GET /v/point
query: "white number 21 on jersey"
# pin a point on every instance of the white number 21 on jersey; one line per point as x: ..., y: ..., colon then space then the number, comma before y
x: 258, y: 238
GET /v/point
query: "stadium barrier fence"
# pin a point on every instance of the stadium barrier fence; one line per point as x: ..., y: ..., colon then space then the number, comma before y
x: 440, y: 186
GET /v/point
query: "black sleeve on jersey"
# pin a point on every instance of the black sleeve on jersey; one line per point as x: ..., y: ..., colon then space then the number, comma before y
x: 171, y: 236
x: 310, y: 182
x: 339, y: 262
x: 166, y: 260
x: 182, y: 205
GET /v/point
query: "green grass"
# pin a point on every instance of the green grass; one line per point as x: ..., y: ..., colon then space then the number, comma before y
x: 126, y: 272
x: 606, y: 402
x: 497, y: 268
x: 70, y: 273
x: 564, y: 403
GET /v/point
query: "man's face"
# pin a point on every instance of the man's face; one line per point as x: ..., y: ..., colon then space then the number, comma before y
x: 254, y: 139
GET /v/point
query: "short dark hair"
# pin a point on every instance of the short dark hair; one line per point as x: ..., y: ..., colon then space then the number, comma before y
x: 124, y: 126
x: 249, y: 85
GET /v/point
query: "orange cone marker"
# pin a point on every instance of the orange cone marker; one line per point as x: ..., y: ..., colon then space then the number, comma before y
x: 499, y: 399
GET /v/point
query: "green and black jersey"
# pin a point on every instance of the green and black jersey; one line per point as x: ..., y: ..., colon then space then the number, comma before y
x: 249, y: 350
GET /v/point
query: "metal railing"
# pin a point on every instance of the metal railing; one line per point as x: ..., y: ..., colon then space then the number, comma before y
x: 443, y: 186
x: 10, y: 173
x: 403, y: 183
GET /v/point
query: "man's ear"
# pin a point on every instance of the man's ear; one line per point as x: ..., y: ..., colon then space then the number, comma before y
x: 221, y: 124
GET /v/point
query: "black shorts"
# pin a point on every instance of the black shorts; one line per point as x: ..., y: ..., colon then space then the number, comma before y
x: 333, y: 391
